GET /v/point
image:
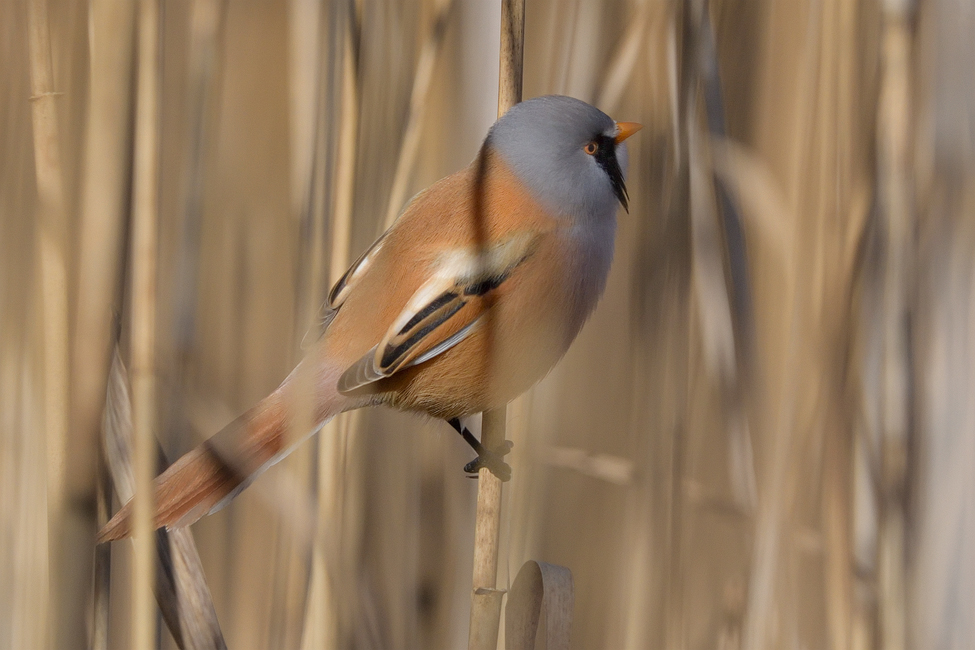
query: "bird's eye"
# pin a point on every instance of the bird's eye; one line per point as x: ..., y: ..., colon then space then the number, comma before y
x: 591, y: 148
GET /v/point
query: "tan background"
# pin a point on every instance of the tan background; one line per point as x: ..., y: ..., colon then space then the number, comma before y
x: 796, y: 476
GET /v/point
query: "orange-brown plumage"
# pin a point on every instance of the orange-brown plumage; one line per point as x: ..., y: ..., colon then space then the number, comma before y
x: 475, y: 293
x: 203, y: 477
x: 522, y: 307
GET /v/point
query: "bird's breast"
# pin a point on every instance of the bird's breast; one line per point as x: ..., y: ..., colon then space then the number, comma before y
x: 587, y: 268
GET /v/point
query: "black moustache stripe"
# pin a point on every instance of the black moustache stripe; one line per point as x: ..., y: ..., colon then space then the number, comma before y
x: 606, y: 157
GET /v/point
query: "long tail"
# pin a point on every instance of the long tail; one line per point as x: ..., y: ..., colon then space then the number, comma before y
x: 206, y: 478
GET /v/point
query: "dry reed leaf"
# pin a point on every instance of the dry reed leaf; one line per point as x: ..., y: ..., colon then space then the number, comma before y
x: 207, y: 18
x: 181, y: 588
x: 541, y: 591
x: 940, y: 485
x: 765, y: 210
x: 102, y: 565
x: 735, y: 253
x: 710, y: 289
x: 621, y: 68
x: 410, y: 146
x: 734, y: 264
x: 612, y: 469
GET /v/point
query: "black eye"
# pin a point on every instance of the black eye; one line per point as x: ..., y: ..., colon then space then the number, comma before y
x: 591, y: 148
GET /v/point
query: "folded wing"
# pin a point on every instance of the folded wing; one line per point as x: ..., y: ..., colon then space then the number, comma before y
x: 445, y: 310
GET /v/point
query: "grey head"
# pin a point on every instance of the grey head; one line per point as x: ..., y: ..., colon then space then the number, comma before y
x: 565, y: 152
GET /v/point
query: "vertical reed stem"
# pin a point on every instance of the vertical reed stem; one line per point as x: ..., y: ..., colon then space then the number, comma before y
x: 512, y: 54
x: 101, y: 225
x: 50, y: 195
x: 102, y: 217
x: 323, y: 627
x: 144, y: 227
x: 894, y: 181
x: 102, y: 576
x: 485, y: 597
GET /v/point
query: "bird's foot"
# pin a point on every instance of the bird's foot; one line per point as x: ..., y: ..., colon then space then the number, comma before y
x: 492, y: 461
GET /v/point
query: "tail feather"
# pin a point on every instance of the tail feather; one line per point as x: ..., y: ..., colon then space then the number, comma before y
x: 206, y: 478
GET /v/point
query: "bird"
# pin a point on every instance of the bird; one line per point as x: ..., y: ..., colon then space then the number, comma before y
x: 470, y: 297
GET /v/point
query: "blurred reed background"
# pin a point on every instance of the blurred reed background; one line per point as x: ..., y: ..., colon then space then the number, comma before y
x: 765, y: 437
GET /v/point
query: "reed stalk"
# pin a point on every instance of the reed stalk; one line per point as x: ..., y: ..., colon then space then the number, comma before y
x: 181, y: 589
x: 145, y: 207
x: 894, y: 183
x: 485, y: 597
x: 53, y: 274
x: 102, y: 224
x: 323, y: 620
x: 102, y: 564
x: 207, y: 18
x: 105, y: 169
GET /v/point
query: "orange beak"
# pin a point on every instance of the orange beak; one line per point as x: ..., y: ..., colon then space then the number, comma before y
x: 625, y: 130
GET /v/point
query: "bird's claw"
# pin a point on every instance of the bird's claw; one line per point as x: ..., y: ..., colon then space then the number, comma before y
x: 493, y: 462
